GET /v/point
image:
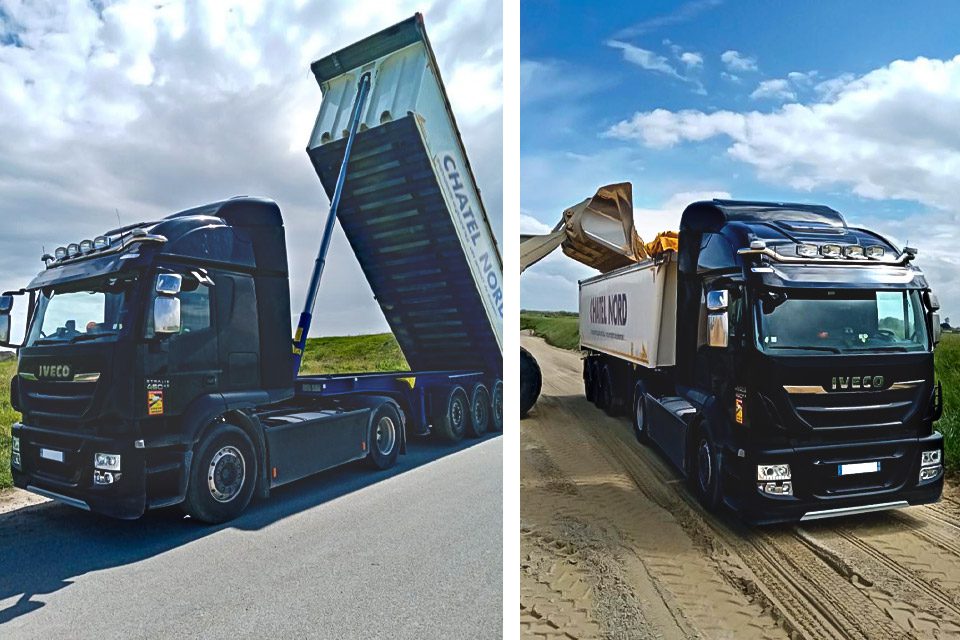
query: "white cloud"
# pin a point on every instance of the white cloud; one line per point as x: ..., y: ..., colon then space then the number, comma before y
x: 152, y: 108
x: 651, y: 61
x: 778, y: 89
x: 736, y: 62
x: 691, y: 59
x: 529, y: 224
x: 551, y: 79
x: 888, y: 134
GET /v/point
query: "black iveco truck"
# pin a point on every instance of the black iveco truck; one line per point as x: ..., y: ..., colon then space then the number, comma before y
x: 786, y: 364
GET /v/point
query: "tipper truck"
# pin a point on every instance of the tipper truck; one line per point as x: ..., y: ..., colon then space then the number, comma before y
x: 157, y: 366
x: 781, y: 359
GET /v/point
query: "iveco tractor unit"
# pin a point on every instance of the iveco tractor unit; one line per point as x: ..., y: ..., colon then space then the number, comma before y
x: 157, y: 366
x: 781, y: 359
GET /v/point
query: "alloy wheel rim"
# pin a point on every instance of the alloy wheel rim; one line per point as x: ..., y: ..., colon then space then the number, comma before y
x: 226, y: 474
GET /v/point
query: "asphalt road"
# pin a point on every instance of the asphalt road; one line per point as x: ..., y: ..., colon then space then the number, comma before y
x: 414, y: 552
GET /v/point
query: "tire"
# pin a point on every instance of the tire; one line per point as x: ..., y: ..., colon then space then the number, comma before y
x: 606, y: 391
x: 531, y: 381
x: 589, y: 391
x: 451, y: 423
x: 222, y: 476
x: 496, y: 407
x: 596, y: 383
x: 386, y: 430
x: 480, y: 409
x: 640, y: 420
x: 705, y: 470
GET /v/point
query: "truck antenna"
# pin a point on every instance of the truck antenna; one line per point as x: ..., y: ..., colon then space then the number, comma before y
x: 119, y: 226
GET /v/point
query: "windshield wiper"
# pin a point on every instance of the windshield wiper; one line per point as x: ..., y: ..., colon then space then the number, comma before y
x: 803, y: 348
x: 886, y: 348
x: 92, y: 336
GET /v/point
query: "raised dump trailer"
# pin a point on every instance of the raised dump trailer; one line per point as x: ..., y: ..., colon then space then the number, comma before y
x: 410, y: 205
x: 157, y: 365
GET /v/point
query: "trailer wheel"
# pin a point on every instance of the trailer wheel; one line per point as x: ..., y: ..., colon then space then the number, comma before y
x: 595, y: 383
x: 222, y: 476
x: 531, y: 381
x: 452, y: 423
x: 588, y: 385
x: 479, y: 411
x: 496, y: 407
x: 384, y: 437
x: 704, y: 470
x: 640, y: 422
x: 606, y: 390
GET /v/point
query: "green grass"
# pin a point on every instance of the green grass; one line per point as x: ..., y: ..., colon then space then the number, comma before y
x: 561, y: 330
x: 558, y: 328
x: 948, y: 373
x: 341, y: 354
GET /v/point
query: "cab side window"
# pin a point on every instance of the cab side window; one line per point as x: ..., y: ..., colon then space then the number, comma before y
x: 195, y: 309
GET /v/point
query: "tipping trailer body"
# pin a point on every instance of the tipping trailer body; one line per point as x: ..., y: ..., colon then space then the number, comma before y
x: 631, y: 312
x: 800, y: 384
x: 410, y: 207
x: 157, y: 364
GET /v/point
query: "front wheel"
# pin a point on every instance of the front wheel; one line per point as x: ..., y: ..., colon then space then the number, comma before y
x: 705, y: 470
x: 385, y: 434
x: 222, y: 476
x: 531, y: 382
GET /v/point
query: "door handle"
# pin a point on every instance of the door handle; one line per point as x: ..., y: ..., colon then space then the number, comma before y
x: 210, y: 380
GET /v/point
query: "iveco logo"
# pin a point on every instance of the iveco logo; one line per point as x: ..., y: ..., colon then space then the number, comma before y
x: 839, y: 383
x: 59, y: 371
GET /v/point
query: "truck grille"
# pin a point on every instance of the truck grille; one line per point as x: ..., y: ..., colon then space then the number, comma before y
x: 846, y: 411
x: 49, y: 403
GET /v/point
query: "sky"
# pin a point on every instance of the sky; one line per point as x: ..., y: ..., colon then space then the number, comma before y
x: 854, y: 105
x: 146, y: 108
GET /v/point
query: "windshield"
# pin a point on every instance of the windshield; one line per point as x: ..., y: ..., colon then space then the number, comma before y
x: 841, y: 321
x: 82, y: 312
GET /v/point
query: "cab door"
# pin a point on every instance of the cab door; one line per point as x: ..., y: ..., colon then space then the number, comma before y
x: 182, y: 354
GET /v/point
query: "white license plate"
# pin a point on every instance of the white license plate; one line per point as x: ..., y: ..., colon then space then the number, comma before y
x: 52, y: 454
x: 858, y: 467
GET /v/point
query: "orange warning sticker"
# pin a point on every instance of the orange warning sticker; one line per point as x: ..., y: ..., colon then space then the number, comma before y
x: 738, y: 409
x: 155, y: 402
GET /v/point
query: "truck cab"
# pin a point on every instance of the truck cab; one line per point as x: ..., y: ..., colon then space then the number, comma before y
x: 806, y: 346
x: 139, y: 339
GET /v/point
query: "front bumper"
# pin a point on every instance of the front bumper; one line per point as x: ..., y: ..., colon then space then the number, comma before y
x: 71, y: 481
x: 819, y: 492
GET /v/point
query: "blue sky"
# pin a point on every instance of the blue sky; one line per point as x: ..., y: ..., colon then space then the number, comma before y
x: 851, y: 104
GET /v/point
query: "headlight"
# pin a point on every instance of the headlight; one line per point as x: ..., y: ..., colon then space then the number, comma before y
x: 15, y: 444
x: 930, y: 457
x: 107, y: 461
x: 930, y: 473
x: 768, y: 472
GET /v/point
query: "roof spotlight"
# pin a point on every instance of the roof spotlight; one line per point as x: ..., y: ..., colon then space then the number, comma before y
x: 86, y: 246
x: 101, y: 242
x: 73, y: 249
x: 875, y: 252
x: 60, y: 253
x: 807, y: 250
x: 853, y: 251
x: 830, y: 250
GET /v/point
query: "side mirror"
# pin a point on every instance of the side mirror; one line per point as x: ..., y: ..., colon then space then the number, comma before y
x: 718, y: 329
x: 717, y: 300
x: 166, y: 315
x: 6, y: 304
x: 937, y: 330
x: 932, y: 301
x: 169, y: 283
x: 5, y: 329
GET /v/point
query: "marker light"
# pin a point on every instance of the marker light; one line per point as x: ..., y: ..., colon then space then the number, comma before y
x: 60, y: 253
x: 768, y: 472
x: 853, y: 251
x: 830, y: 250
x: 874, y: 252
x: 73, y: 249
x: 807, y: 250
x: 108, y: 461
x: 927, y: 457
x: 86, y: 246
x: 758, y: 245
x: 101, y: 242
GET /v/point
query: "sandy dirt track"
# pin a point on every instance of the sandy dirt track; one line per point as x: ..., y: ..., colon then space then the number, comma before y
x: 614, y: 546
